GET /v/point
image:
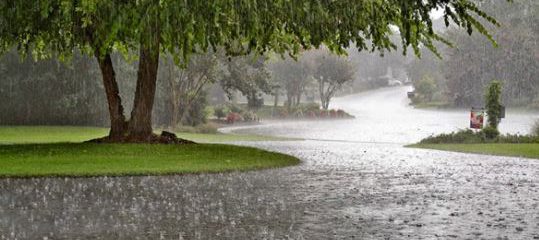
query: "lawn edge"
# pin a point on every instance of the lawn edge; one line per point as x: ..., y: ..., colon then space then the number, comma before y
x: 430, y: 146
x: 293, y: 161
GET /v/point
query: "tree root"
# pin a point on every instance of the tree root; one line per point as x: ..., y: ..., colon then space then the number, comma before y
x: 164, y: 138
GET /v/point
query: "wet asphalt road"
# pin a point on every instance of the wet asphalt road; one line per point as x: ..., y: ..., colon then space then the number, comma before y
x: 356, y: 181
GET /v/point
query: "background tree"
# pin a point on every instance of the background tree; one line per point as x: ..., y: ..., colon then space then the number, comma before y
x: 186, y: 87
x: 466, y: 70
x: 292, y: 76
x: 249, y: 76
x: 331, y: 73
x: 493, y: 103
x: 425, y: 88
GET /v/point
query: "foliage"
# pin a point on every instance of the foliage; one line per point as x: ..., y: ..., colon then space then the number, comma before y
x: 293, y: 76
x: 332, y: 72
x: 197, y: 113
x: 487, y: 135
x: 186, y: 88
x: 235, y: 108
x: 462, y: 136
x: 249, y: 116
x: 220, y: 111
x: 425, y: 88
x: 466, y: 70
x: 493, y: 104
x: 490, y: 132
x: 188, y: 26
x: 249, y: 76
x: 301, y: 111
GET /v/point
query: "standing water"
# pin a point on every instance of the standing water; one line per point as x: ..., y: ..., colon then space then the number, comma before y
x: 385, y: 115
x: 356, y: 182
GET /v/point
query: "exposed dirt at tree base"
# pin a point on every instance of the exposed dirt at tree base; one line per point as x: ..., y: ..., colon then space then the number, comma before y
x: 164, y: 138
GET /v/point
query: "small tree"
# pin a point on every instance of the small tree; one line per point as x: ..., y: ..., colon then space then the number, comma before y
x: 493, y: 105
x: 249, y: 76
x: 332, y: 73
x: 426, y: 87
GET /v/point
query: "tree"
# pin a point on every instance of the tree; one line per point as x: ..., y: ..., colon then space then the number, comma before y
x: 493, y: 103
x: 470, y: 67
x: 54, y: 28
x: 186, y: 87
x: 425, y: 88
x: 331, y: 73
x: 292, y: 76
x: 248, y: 75
x: 57, y: 29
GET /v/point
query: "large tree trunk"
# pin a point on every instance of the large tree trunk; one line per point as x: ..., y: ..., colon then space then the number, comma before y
x: 140, y: 124
x: 118, y: 125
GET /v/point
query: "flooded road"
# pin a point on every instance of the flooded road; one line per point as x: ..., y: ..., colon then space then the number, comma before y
x: 384, y: 115
x: 356, y: 181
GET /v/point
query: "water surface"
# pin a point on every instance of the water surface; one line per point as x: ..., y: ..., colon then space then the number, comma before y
x: 356, y: 181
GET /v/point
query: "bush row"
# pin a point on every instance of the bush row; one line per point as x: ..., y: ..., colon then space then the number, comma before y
x: 487, y: 135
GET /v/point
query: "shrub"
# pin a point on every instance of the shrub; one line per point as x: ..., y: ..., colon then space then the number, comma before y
x: 311, y: 114
x: 461, y: 136
x: 298, y: 112
x: 233, y: 117
x: 333, y: 113
x: 249, y: 116
x: 341, y: 113
x: 220, y: 111
x: 235, y: 108
x: 487, y: 135
x: 425, y: 89
x: 490, y: 132
x: 515, y: 138
x: 323, y: 113
x: 311, y: 107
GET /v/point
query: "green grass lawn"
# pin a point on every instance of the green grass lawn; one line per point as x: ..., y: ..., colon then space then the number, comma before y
x: 57, y: 151
x: 528, y: 150
x: 221, y: 138
x: 57, y: 134
x: 87, y: 159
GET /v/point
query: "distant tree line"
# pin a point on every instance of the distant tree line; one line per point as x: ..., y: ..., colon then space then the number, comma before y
x: 465, y: 70
x: 51, y: 92
x: 315, y: 73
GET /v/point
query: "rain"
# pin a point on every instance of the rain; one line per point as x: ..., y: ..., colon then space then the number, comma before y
x: 253, y: 124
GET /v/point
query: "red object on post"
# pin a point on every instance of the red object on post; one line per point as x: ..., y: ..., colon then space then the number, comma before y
x: 476, y: 118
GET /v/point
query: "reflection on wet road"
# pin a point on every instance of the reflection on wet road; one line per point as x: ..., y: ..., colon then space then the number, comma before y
x: 361, y: 185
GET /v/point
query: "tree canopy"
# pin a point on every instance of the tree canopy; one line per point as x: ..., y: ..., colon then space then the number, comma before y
x: 183, y: 27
